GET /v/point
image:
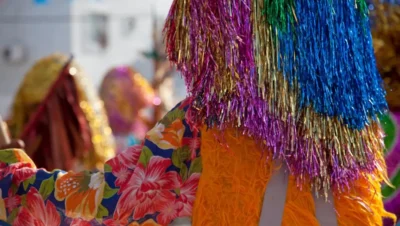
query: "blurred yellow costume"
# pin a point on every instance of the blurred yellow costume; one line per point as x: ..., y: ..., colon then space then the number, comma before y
x: 70, y: 141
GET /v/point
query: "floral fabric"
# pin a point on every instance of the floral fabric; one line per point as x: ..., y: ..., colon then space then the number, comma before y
x: 150, y: 184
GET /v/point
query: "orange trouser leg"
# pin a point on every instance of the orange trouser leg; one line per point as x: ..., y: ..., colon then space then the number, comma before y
x: 233, y: 181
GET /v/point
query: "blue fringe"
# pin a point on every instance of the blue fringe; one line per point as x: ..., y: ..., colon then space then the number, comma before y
x: 329, y: 52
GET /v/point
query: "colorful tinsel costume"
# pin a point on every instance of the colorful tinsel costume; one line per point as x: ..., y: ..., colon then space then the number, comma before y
x: 125, y: 94
x: 274, y: 85
x: 60, y: 117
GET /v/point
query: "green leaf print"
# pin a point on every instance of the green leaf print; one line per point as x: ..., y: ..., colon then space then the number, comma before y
x: 145, y: 156
x: 177, y: 191
x: 109, y: 192
x: 107, y: 168
x: 47, y: 187
x: 196, y: 166
x: 183, y: 172
x: 180, y: 155
x: 8, y: 156
x: 102, y: 212
x: 23, y: 200
x: 26, y: 183
x: 172, y: 116
x: 12, y: 216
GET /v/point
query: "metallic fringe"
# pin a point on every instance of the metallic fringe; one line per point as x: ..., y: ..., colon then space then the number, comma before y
x: 333, y: 40
x: 239, y: 60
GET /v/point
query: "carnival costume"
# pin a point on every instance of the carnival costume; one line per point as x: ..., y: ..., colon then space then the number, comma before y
x: 281, y: 127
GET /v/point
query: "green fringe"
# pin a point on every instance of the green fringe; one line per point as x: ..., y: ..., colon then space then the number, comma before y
x: 362, y: 6
x: 279, y: 12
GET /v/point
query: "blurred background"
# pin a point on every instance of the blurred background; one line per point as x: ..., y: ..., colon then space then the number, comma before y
x: 99, y: 33
x: 81, y: 80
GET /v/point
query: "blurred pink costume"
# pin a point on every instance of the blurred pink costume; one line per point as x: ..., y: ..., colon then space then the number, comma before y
x: 126, y: 93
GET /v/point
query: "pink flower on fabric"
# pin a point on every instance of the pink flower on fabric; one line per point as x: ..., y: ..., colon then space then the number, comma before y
x: 80, y: 222
x: 169, y: 212
x: 124, y: 164
x: 111, y: 222
x: 188, y: 194
x: 129, y: 157
x: 20, y: 171
x: 12, y: 201
x: 149, y: 190
x: 3, y: 165
x: 36, y: 212
x: 193, y: 143
x: 22, y: 174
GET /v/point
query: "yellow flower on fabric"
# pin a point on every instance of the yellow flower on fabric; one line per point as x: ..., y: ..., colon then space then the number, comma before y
x: 167, y: 137
x: 21, y: 156
x: 149, y: 222
x: 3, y: 213
x: 82, y: 193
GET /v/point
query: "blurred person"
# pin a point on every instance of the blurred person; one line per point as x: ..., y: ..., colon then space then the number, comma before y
x: 59, y: 117
x: 280, y: 128
x: 126, y: 95
x: 14, y: 144
x: 162, y: 80
x: 386, y: 36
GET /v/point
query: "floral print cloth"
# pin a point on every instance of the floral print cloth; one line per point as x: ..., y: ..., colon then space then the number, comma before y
x: 149, y: 184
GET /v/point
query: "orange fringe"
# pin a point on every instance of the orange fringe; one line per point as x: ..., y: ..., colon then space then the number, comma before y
x: 299, y: 207
x: 233, y: 182
x: 362, y: 205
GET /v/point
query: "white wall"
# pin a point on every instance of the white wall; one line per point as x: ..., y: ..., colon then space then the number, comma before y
x: 120, y: 50
x: 23, y: 22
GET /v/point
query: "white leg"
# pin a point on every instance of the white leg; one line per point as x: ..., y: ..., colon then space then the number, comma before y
x: 274, y: 199
x: 184, y: 221
x: 325, y: 211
